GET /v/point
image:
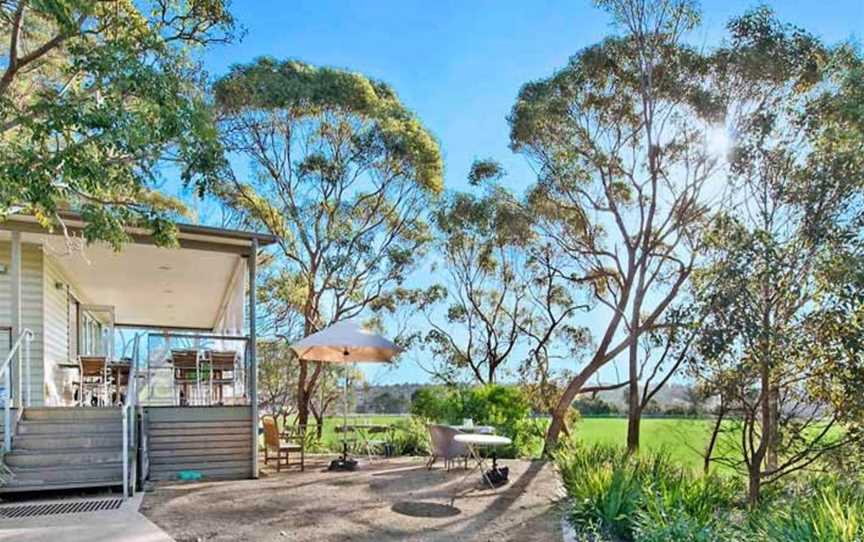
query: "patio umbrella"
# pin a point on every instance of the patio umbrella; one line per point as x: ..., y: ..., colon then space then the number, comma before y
x: 346, y: 342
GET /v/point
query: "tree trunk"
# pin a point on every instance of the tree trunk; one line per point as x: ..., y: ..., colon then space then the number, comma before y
x: 564, y: 404
x: 709, y: 451
x: 634, y: 414
x: 302, y: 395
x: 754, y: 487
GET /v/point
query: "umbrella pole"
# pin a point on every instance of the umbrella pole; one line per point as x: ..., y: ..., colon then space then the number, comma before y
x: 345, y: 420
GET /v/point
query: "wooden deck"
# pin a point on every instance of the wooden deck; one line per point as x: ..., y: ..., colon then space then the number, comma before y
x: 215, y: 441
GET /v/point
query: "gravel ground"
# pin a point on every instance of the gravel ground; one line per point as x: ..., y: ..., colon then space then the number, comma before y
x: 394, y: 499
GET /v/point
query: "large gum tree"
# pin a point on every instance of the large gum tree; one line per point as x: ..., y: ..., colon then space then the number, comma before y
x: 618, y: 140
x: 98, y: 101
x: 342, y: 174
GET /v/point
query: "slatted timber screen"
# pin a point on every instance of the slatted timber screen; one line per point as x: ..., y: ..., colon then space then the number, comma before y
x: 215, y: 441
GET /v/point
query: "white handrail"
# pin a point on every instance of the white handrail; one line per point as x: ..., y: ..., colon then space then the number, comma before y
x: 26, y: 335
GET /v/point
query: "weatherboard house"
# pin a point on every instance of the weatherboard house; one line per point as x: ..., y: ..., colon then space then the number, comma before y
x: 121, y: 366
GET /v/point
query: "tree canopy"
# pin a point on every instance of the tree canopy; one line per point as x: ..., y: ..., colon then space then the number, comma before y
x: 97, y: 101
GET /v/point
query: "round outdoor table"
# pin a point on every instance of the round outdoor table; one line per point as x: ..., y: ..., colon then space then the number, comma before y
x: 479, y: 429
x: 474, y: 443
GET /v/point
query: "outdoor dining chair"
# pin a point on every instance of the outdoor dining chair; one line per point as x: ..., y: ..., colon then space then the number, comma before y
x: 444, y: 447
x: 187, y: 371
x: 93, y: 372
x: 292, y: 440
x: 221, y: 367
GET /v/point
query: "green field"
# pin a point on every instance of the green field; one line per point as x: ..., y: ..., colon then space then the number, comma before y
x: 682, y: 438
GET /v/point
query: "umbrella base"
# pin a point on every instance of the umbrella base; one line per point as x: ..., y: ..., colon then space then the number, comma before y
x: 342, y: 464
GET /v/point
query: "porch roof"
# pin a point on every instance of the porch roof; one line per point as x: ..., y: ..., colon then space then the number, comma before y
x: 199, y: 285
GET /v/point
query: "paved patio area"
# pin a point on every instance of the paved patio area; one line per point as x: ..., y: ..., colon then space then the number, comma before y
x: 124, y: 524
x: 396, y: 499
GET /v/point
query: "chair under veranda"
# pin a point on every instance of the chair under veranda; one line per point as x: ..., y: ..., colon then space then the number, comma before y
x: 443, y: 446
x: 187, y: 376
x: 221, y: 367
x: 93, y: 374
x: 291, y: 440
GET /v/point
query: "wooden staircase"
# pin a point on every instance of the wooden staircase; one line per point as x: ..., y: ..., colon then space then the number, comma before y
x: 66, y: 448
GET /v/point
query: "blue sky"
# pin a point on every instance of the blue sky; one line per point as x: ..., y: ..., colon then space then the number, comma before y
x: 459, y: 64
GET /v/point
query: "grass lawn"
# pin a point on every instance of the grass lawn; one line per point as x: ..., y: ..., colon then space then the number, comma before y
x: 682, y: 438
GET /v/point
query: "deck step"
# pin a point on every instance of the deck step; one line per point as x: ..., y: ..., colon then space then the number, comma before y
x: 71, y: 457
x: 68, y: 427
x: 72, y: 414
x: 67, y: 440
x: 69, y: 474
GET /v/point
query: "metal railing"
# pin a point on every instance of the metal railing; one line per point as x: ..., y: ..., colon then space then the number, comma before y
x: 130, y: 414
x: 25, y: 338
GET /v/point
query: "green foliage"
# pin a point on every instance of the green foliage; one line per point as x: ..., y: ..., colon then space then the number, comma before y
x: 100, y: 96
x: 302, y: 90
x: 649, y: 498
x: 440, y: 404
x: 506, y: 408
x: 828, y: 510
x: 411, y: 437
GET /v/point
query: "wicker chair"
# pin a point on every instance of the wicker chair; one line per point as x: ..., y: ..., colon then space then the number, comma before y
x: 444, y: 447
x: 292, y: 440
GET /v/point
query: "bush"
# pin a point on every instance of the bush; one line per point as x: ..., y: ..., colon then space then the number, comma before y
x: 825, y: 509
x: 506, y: 408
x: 645, y: 498
x: 411, y: 437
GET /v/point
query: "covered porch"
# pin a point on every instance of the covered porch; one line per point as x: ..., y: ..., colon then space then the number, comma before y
x: 164, y: 335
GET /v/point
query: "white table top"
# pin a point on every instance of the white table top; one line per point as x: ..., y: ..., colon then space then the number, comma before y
x: 482, y: 440
x: 483, y: 429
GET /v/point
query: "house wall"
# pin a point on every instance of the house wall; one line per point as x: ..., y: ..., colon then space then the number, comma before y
x: 31, y: 310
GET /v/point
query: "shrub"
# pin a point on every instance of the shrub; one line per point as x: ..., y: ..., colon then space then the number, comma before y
x: 411, y: 437
x: 507, y: 408
x: 442, y: 404
x: 825, y: 509
x: 646, y: 497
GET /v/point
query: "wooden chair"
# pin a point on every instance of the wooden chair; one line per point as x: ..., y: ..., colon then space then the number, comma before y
x: 290, y: 441
x: 187, y: 370
x: 222, y: 368
x: 93, y: 371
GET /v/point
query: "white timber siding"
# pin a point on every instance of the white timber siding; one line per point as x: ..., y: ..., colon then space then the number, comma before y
x: 58, y: 381
x: 31, y: 310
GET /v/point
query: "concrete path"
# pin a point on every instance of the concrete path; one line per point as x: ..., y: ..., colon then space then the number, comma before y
x: 124, y: 524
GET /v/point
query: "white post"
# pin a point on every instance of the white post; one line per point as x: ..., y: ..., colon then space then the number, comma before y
x: 7, y: 416
x: 16, y: 316
x: 253, y: 361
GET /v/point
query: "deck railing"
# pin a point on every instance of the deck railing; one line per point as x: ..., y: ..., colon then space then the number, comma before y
x: 130, y: 415
x: 25, y: 338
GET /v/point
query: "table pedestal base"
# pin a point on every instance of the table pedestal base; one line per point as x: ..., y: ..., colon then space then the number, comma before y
x: 342, y: 464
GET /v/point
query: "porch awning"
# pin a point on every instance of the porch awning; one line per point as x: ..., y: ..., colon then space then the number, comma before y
x: 199, y: 286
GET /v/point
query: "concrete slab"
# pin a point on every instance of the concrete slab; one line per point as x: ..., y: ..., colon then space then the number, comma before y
x: 124, y: 524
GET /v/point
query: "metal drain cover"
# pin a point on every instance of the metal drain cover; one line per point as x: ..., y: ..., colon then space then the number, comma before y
x: 61, y: 507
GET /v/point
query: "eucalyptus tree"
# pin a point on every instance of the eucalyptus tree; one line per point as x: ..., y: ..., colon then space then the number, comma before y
x: 782, y: 287
x: 96, y: 99
x: 341, y: 173
x: 482, y: 243
x: 618, y: 140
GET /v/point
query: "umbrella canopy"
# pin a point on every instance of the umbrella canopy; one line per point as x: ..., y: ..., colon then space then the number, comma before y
x: 346, y: 342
